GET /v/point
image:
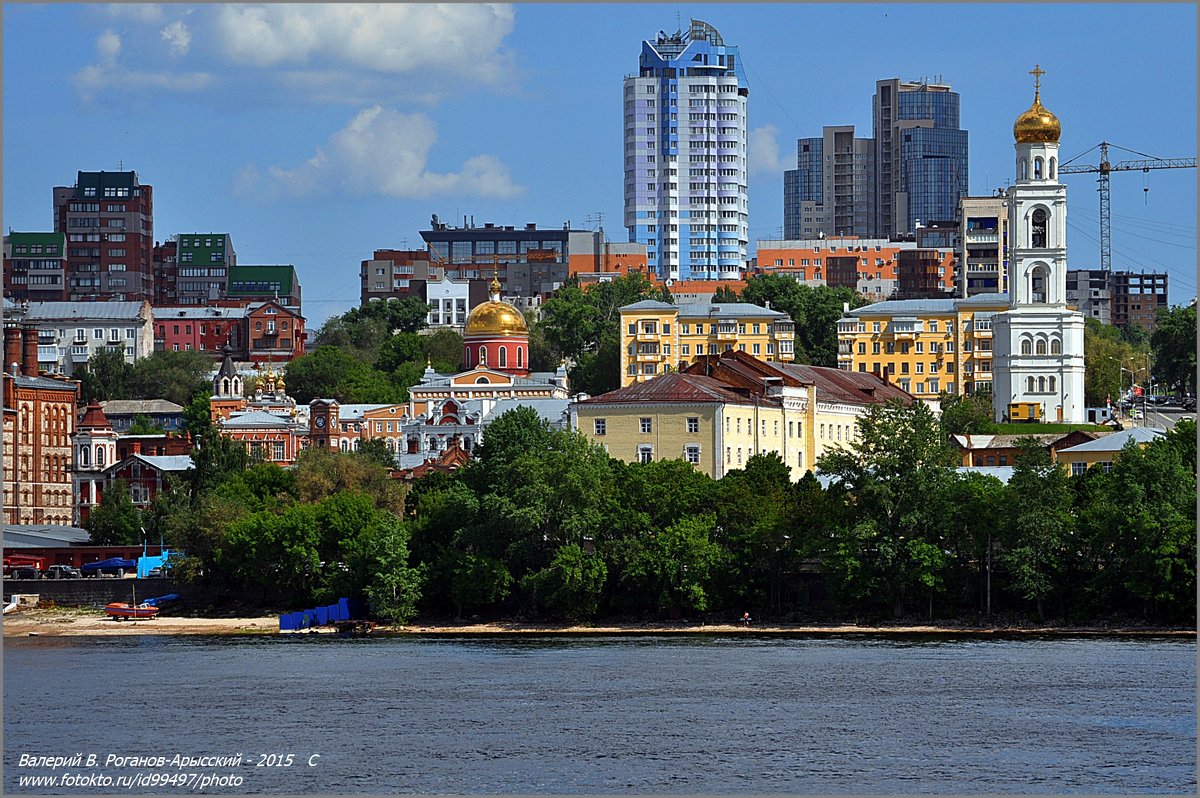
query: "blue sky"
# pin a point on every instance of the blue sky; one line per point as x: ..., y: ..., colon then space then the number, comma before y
x: 315, y: 134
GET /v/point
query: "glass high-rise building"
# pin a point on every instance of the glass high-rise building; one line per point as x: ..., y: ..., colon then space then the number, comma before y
x: 920, y: 154
x: 685, y: 155
x: 831, y: 191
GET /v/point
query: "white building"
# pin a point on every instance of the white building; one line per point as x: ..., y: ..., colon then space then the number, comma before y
x: 685, y: 155
x: 449, y: 303
x: 71, y: 332
x: 1038, y: 342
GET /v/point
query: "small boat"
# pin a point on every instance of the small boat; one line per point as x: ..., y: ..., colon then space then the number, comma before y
x: 120, y: 610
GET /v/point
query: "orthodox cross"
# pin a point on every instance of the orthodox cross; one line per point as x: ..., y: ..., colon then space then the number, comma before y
x: 1037, y: 73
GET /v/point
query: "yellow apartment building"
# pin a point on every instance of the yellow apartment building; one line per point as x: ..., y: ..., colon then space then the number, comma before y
x: 726, y: 408
x: 659, y: 337
x: 924, y: 346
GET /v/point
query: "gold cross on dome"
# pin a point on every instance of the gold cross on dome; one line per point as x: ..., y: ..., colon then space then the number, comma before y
x: 1037, y: 73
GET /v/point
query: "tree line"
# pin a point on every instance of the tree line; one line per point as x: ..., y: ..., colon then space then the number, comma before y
x: 544, y: 525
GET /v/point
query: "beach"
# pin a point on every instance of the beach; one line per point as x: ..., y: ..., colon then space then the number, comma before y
x: 61, y: 622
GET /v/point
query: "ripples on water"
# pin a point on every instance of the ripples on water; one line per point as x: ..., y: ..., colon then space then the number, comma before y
x: 623, y: 715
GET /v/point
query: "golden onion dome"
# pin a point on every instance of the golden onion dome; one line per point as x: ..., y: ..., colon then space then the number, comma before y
x: 496, y: 318
x: 1037, y: 125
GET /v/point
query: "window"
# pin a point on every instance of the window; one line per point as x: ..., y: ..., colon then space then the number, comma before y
x: 693, y: 424
x: 1078, y: 469
x: 646, y: 425
x: 1106, y: 466
x: 692, y: 454
x: 645, y: 453
x: 600, y: 426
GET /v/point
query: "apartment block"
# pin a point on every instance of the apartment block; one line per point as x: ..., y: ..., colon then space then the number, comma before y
x: 685, y: 134
x: 658, y: 337
x: 265, y: 283
x: 925, y: 346
x: 1090, y: 291
x: 1137, y: 298
x: 204, y: 263
x: 108, y: 218
x: 873, y: 262
x: 831, y: 191
x: 983, y: 246
x: 68, y: 333
x: 35, y: 266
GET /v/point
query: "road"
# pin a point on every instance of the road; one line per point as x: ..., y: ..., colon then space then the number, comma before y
x: 1161, y: 416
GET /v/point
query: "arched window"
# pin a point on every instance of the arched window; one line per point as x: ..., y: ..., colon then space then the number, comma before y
x: 356, y: 442
x: 1037, y: 230
x: 1055, y: 346
x: 1041, y: 346
x: 1053, y: 167
x: 83, y: 455
x: 1052, y: 384
x: 520, y: 356
x: 482, y: 356
x: 1024, y: 168
x: 1037, y: 168
x: 345, y: 447
x: 503, y: 358
x: 1029, y: 385
x: 1026, y: 346
x: 1038, y: 281
x: 1041, y: 384
x: 100, y: 456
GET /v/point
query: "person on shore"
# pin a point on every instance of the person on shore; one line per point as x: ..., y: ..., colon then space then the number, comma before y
x: 745, y: 619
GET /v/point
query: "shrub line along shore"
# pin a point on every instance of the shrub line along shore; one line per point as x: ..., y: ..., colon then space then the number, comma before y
x: 57, y: 623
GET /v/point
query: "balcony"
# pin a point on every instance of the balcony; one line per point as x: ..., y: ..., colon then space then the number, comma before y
x: 79, y: 354
x: 648, y: 357
x: 906, y: 328
x: 727, y: 332
x: 642, y: 335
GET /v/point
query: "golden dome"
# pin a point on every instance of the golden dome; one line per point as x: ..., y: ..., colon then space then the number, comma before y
x: 496, y: 318
x: 1037, y: 125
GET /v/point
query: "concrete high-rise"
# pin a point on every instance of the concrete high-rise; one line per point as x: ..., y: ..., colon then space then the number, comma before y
x: 831, y: 191
x: 920, y: 154
x: 108, y: 218
x: 685, y: 155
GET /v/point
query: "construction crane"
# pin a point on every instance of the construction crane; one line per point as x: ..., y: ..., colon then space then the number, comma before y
x: 1104, y: 168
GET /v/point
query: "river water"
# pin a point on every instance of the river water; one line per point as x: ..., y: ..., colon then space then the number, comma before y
x: 609, y: 714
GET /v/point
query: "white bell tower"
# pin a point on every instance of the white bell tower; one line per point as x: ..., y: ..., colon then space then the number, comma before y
x: 1038, y: 342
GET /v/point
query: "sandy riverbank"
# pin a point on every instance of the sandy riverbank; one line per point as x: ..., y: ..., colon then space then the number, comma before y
x: 66, y: 622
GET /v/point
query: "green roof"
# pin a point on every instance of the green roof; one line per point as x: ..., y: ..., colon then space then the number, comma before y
x: 37, y: 238
x: 261, y: 279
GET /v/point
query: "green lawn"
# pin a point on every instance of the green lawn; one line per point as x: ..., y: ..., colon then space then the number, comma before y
x: 1042, y: 429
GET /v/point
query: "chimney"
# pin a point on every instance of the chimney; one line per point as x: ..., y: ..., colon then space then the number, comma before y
x: 29, y: 354
x: 12, y: 347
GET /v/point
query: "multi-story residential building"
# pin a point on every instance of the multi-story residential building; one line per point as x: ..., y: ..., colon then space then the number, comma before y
x: 829, y: 261
x: 39, y: 420
x: 831, y: 191
x: 605, y: 259
x: 274, y: 333
x: 120, y: 414
x: 164, y: 263
x: 264, y: 283
x: 108, y: 218
x: 204, y: 262
x: 983, y: 246
x: 449, y: 301
x: 925, y: 346
x: 1090, y: 291
x: 685, y: 155
x: 71, y: 332
x: 726, y: 408
x: 261, y: 332
x: 920, y: 154
x: 35, y: 266
x: 658, y: 337
x: 1137, y: 298
x: 920, y: 274
x: 396, y: 273
x: 528, y: 261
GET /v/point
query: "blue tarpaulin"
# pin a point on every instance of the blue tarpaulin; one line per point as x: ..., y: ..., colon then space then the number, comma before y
x: 318, y: 616
x: 112, y: 562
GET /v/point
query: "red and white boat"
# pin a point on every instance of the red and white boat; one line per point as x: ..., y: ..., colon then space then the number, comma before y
x: 119, y: 610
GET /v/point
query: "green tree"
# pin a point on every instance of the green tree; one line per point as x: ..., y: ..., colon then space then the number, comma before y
x: 320, y: 473
x: 815, y: 310
x: 376, y: 451
x: 1105, y: 353
x: 105, y: 376
x: 330, y: 373
x: 197, y: 414
x: 174, y: 376
x: 1174, y: 345
x: 725, y: 294
x: 276, y: 553
x: 144, y: 425
x: 478, y: 581
x: 1037, y: 525
x: 115, y: 521
x: 444, y: 348
x: 673, y: 568
x: 967, y: 415
x: 215, y: 459
x: 571, y: 585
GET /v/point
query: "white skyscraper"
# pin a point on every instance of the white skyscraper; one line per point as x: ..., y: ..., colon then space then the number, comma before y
x: 1038, y: 342
x: 685, y: 155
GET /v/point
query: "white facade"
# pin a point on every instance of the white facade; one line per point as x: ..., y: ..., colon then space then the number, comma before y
x: 71, y: 332
x: 449, y: 303
x: 1038, y: 342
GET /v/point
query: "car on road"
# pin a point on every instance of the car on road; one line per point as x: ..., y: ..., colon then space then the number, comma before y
x: 63, y: 572
x: 25, y: 573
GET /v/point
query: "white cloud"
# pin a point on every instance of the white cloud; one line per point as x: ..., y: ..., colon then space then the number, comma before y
x: 763, y: 151
x: 381, y: 151
x: 178, y: 37
x: 107, y: 74
x: 388, y: 38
